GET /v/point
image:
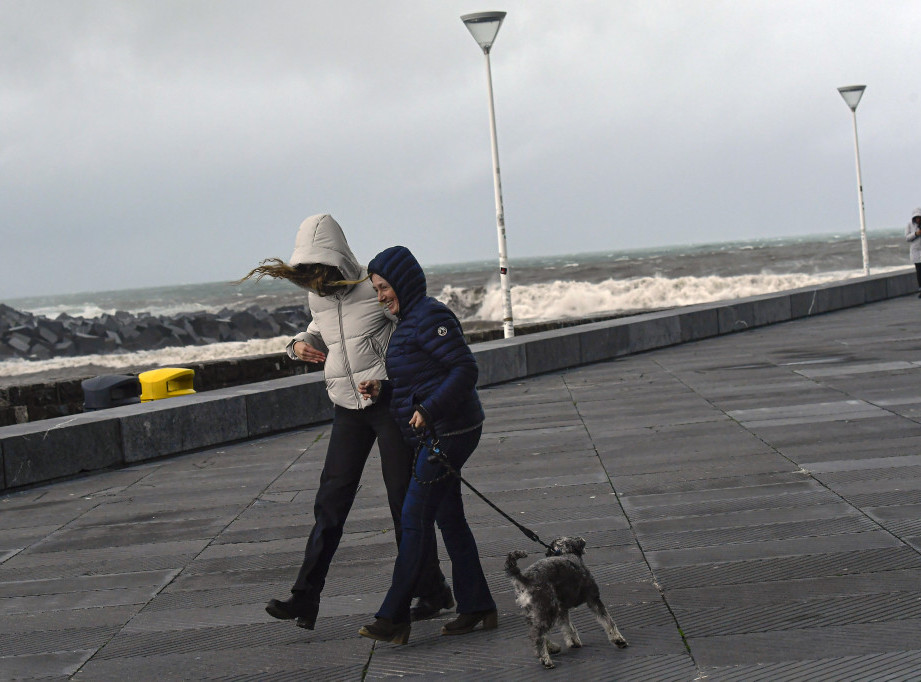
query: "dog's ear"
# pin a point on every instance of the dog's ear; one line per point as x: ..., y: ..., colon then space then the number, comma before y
x: 578, y: 545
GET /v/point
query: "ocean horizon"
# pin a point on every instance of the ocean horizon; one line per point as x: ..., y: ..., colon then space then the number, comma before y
x: 168, y: 299
x: 544, y: 288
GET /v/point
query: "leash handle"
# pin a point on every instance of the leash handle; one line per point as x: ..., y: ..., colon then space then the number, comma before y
x: 433, y: 446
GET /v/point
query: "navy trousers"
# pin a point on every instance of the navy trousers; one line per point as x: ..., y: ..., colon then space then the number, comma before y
x: 435, y: 498
x: 350, y: 442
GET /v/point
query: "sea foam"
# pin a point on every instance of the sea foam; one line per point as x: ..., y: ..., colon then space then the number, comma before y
x: 537, y: 302
x: 566, y: 299
x: 163, y: 357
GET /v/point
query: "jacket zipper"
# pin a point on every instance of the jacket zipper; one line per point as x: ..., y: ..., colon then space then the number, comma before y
x: 345, y: 355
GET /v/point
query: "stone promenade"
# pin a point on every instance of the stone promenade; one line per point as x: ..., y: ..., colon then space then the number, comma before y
x: 751, y: 504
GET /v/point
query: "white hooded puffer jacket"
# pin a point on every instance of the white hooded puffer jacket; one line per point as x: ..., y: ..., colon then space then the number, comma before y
x: 914, y: 250
x: 349, y: 326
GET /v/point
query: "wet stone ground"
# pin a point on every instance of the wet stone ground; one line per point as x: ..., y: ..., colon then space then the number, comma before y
x: 751, y: 506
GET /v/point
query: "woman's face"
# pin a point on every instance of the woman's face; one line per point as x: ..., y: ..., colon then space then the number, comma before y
x: 386, y: 296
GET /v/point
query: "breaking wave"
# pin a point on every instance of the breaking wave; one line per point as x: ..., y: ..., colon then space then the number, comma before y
x: 565, y: 299
x: 536, y: 302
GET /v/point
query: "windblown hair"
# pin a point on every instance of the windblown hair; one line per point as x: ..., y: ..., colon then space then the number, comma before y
x: 319, y: 277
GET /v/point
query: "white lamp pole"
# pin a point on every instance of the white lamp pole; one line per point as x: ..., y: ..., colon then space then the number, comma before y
x: 484, y: 26
x: 852, y: 95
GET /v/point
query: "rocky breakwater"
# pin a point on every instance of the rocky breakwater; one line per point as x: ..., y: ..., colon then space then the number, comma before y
x: 34, y: 337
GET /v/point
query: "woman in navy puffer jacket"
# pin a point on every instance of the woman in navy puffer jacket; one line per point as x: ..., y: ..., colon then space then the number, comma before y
x: 432, y: 385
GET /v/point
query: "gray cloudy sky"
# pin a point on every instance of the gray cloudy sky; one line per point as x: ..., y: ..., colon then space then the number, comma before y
x: 148, y: 142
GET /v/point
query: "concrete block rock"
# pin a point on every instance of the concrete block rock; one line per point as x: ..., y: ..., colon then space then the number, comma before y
x: 110, y: 322
x: 19, y: 342
x: 205, y: 326
x: 6, y: 351
x: 65, y: 347
x: 149, y: 335
x: 225, y: 330
x: 190, y: 333
x: 245, y: 323
x: 41, y: 351
x: 89, y: 344
x: 50, y: 331
x: 13, y: 317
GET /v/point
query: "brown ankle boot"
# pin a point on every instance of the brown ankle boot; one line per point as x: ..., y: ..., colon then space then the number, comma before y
x: 467, y: 622
x: 385, y: 630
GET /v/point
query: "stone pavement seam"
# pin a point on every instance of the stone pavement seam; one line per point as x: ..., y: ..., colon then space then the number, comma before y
x: 851, y: 400
x: 853, y: 406
x: 699, y: 525
x: 636, y: 538
x: 163, y: 588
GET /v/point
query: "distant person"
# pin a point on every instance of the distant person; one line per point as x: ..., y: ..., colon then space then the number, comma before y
x: 349, y: 332
x: 913, y: 236
x: 432, y: 386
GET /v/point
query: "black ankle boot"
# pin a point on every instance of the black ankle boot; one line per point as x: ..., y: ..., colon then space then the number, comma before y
x: 431, y: 606
x: 299, y: 605
x: 467, y: 622
x: 385, y: 630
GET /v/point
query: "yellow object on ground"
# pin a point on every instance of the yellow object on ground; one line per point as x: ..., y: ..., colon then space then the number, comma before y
x: 166, y: 382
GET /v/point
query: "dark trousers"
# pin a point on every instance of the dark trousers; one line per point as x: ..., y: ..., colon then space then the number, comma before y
x: 353, y: 435
x: 438, y: 500
x: 918, y: 273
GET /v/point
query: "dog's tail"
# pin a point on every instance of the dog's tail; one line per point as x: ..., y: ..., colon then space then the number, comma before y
x: 511, y: 566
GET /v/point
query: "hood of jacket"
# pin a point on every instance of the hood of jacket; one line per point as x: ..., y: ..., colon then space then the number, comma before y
x: 321, y: 240
x: 402, y: 271
x: 916, y: 214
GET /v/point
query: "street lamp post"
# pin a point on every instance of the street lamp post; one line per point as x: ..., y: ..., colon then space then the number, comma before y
x: 484, y: 26
x: 852, y: 95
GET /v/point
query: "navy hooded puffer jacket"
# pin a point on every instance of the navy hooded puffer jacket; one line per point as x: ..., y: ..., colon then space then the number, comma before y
x: 429, y: 363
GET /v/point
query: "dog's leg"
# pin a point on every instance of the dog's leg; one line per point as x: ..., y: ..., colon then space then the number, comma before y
x: 570, y: 634
x: 542, y: 645
x: 606, y: 622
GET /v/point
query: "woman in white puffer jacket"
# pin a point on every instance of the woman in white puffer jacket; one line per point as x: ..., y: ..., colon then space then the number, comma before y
x: 349, y: 332
x: 354, y: 346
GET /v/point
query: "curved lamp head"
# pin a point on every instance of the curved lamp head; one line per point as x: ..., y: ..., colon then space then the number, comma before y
x: 484, y: 26
x: 852, y: 95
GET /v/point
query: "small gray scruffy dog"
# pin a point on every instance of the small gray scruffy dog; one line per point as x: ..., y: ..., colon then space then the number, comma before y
x: 549, y: 588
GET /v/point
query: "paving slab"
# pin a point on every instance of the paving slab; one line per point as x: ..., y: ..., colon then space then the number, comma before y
x: 751, y: 505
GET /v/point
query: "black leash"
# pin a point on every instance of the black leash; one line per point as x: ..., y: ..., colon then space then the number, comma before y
x: 438, y: 456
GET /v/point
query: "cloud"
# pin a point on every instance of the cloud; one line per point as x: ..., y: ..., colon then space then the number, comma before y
x: 152, y: 142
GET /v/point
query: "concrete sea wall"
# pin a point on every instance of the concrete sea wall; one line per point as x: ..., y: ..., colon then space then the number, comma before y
x: 37, y: 452
x: 30, y: 402
x: 24, y: 401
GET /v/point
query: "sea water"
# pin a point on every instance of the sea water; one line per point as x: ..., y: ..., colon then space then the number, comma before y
x: 543, y: 288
